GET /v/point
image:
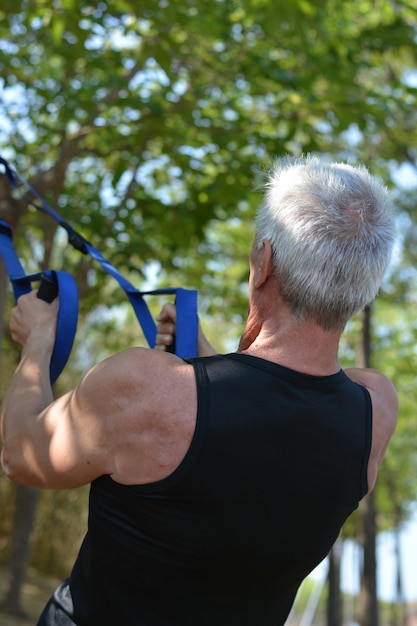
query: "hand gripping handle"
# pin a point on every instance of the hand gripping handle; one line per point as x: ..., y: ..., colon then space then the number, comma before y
x: 52, y: 282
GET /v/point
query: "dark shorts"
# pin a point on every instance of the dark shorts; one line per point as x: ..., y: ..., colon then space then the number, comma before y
x: 59, y: 610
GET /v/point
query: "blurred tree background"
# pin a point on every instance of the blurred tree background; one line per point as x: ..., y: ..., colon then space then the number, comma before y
x: 148, y: 126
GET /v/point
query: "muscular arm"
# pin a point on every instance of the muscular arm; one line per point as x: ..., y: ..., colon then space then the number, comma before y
x: 29, y: 390
x: 132, y: 416
x: 384, y: 414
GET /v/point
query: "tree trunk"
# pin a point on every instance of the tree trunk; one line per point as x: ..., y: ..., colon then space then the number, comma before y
x: 24, y: 517
x: 368, y: 600
x: 398, y: 608
x: 334, y: 601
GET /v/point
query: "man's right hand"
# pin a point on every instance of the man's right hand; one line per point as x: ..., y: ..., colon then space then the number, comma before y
x: 167, y: 319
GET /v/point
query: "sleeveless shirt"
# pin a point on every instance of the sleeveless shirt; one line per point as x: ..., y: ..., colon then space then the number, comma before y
x: 277, y: 463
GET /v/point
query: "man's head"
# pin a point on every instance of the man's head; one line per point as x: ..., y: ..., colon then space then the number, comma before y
x: 332, y: 230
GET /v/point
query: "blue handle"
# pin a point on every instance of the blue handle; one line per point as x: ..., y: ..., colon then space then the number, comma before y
x: 64, y: 285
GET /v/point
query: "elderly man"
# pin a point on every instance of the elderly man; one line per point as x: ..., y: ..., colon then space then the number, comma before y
x: 219, y: 483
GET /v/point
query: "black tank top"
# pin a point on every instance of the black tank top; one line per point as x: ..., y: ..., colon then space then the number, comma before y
x: 277, y: 463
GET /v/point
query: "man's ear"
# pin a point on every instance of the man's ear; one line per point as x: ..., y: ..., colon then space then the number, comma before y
x: 264, y: 264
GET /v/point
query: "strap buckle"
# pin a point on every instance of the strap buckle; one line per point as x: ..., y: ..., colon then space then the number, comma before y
x: 6, y: 229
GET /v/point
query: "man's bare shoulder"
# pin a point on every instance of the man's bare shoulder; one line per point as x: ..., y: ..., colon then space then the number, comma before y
x: 140, y: 384
x: 138, y: 368
x: 384, y: 399
x: 380, y: 387
x: 146, y: 402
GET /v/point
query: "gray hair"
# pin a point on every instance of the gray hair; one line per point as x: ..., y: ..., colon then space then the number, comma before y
x: 331, y: 228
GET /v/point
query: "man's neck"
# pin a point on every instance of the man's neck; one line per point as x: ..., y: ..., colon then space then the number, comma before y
x: 301, y: 346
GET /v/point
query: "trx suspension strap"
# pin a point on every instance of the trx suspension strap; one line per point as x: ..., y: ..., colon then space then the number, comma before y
x: 51, y: 281
x: 186, y: 300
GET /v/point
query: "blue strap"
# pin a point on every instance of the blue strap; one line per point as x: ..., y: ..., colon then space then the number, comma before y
x: 186, y: 303
x: 68, y: 310
x: 186, y: 300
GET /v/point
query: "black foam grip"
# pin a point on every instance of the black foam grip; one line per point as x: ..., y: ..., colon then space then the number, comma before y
x: 172, y: 347
x: 48, y: 289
